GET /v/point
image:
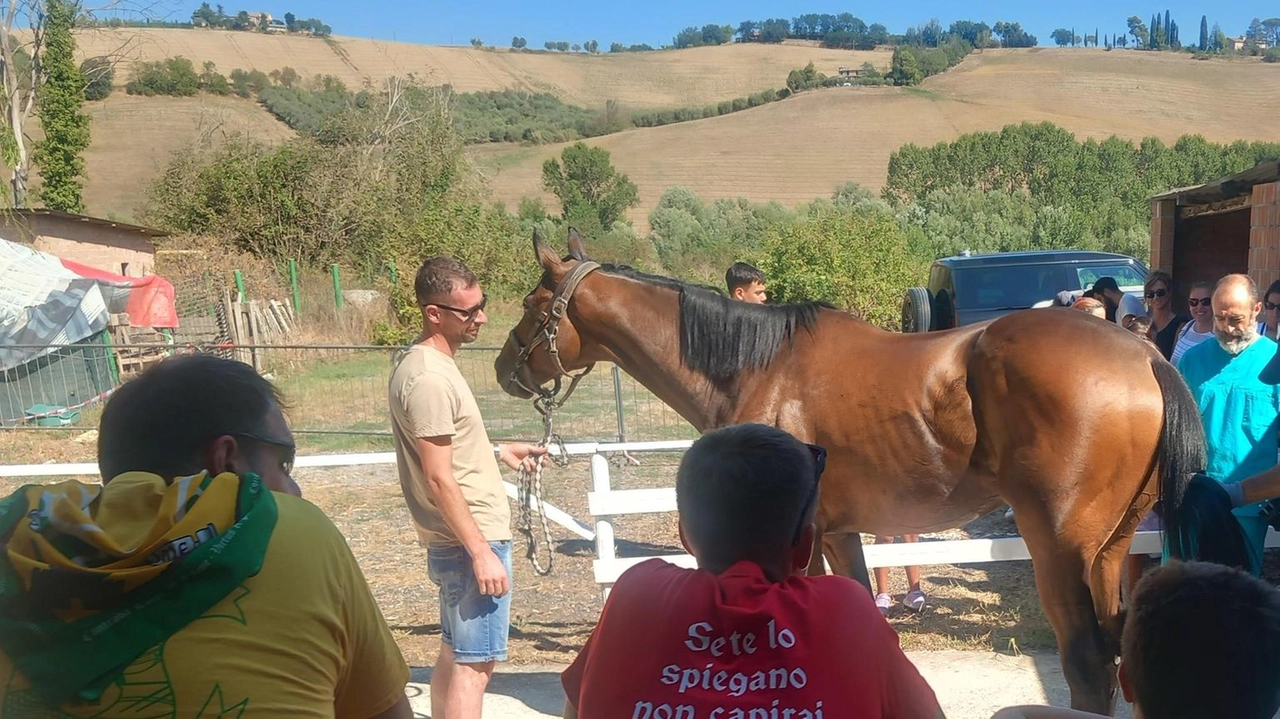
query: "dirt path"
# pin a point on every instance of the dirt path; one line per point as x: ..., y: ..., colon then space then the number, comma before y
x: 970, y: 685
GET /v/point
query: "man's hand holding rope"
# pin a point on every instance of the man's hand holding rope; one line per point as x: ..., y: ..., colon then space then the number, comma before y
x: 521, y: 455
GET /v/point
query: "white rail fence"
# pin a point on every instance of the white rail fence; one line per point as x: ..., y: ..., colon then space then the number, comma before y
x: 604, y: 503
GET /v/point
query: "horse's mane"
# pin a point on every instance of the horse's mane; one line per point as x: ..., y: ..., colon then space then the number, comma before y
x: 721, y: 337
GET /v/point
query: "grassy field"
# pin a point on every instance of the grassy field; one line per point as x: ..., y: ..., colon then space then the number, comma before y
x: 697, y: 76
x: 802, y: 148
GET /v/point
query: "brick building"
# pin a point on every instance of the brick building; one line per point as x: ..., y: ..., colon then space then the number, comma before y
x: 105, y: 245
x: 1229, y: 225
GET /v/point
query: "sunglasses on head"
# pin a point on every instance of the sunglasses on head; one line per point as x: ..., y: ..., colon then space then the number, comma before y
x: 1156, y: 293
x: 819, y: 464
x: 1196, y: 301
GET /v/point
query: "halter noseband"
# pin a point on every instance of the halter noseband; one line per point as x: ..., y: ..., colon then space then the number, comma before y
x: 547, y: 330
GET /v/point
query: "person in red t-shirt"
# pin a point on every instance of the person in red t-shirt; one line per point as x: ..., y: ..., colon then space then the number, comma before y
x: 746, y: 635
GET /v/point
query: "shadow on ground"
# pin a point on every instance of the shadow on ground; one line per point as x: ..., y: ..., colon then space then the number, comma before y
x: 532, y: 691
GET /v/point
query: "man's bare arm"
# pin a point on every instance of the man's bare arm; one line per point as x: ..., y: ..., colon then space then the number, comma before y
x: 437, y: 469
x: 1261, y: 486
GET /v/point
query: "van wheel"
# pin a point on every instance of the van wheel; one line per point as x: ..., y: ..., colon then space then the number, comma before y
x: 917, y: 307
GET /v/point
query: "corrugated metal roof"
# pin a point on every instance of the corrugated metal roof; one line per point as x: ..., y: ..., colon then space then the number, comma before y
x: 1225, y: 188
x: 96, y: 221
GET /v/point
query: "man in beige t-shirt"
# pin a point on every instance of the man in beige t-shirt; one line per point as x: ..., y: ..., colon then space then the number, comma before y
x: 453, y: 487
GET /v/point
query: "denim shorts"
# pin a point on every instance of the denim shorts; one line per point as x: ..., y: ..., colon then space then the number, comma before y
x: 474, y: 625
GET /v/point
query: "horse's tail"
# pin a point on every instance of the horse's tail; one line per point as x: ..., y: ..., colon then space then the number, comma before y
x: 1194, y: 509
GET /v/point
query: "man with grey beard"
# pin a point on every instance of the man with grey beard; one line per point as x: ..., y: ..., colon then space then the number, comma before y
x: 1238, y: 410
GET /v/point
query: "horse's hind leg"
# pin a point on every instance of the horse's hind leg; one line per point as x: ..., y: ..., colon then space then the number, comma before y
x: 847, y: 558
x: 1088, y: 659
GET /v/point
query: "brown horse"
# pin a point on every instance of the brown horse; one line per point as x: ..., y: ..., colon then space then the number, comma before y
x: 925, y: 432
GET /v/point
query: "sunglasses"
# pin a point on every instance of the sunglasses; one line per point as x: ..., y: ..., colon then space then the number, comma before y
x: 819, y: 464
x: 467, y: 315
x: 290, y: 454
x: 1270, y: 305
x: 1156, y: 293
x: 1197, y: 301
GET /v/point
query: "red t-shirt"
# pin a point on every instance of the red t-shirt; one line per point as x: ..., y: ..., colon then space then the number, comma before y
x: 678, y: 643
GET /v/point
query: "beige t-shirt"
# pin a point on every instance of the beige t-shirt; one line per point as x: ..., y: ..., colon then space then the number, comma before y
x: 429, y: 398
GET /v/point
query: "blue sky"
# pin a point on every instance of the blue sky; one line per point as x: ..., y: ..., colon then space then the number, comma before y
x: 655, y: 22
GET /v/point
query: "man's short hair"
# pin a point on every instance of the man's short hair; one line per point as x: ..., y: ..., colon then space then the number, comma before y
x: 1203, y: 640
x: 740, y: 492
x: 741, y: 274
x: 1106, y: 283
x: 440, y: 276
x: 160, y: 421
x: 1239, y: 280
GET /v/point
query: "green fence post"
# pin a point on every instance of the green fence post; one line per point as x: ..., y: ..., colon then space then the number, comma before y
x: 240, y: 287
x: 293, y: 284
x: 337, y: 287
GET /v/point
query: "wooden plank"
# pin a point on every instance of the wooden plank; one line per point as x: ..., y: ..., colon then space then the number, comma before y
x: 917, y: 554
x: 255, y: 330
x: 631, y: 501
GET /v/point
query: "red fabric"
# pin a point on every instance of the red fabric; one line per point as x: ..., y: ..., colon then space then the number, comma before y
x: 653, y: 654
x: 150, y: 298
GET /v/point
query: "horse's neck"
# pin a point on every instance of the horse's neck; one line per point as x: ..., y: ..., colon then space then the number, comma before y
x: 643, y: 338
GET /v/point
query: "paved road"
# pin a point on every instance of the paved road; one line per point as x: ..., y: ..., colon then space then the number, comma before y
x: 970, y: 685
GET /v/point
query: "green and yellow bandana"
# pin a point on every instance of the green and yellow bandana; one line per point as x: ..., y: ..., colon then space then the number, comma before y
x: 92, y: 576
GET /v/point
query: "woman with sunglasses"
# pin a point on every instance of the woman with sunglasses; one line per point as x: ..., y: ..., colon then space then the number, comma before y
x: 1200, y: 328
x: 1165, y: 323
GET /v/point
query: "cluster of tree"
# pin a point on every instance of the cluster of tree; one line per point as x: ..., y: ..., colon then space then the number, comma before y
x: 911, y: 64
x: 306, y: 108
x: 177, y: 77
x: 843, y: 30
x: 99, y: 77
x: 619, y: 47
x: 517, y: 116
x: 206, y: 16
x: 708, y: 35
x: 1102, y: 187
x: 391, y: 182
x: 561, y: 45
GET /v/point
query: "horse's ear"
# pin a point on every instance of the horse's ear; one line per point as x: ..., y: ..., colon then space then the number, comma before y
x: 546, y: 256
x: 576, y: 250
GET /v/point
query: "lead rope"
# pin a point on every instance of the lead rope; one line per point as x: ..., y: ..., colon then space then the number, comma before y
x: 529, y: 486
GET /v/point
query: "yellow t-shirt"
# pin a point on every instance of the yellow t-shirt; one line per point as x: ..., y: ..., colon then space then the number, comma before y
x: 429, y: 398
x: 302, y: 638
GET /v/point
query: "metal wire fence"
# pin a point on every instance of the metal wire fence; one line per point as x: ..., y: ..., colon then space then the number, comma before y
x: 336, y: 394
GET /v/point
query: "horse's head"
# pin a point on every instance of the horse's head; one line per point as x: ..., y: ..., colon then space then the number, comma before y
x: 544, y: 346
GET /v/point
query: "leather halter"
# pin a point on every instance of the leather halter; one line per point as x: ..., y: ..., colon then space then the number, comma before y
x: 548, y: 329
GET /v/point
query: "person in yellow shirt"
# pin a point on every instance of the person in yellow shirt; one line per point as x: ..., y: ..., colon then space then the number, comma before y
x: 195, y: 581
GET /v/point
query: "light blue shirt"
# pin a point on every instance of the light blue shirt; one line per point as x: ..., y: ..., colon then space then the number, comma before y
x: 1240, y: 414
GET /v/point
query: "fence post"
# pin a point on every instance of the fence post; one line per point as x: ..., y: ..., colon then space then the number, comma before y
x: 293, y: 284
x: 337, y: 287
x: 240, y: 296
x: 604, y: 528
x: 617, y: 404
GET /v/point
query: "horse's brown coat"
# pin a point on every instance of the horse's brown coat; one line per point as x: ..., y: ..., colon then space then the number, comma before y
x: 1055, y: 412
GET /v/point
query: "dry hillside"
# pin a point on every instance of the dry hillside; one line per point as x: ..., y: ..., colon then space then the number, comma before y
x: 802, y: 148
x: 133, y: 138
x: 647, y: 80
